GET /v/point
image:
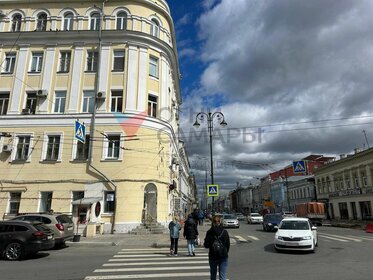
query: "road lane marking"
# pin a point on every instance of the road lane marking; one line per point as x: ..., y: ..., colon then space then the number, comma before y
x: 169, y: 268
x: 240, y: 239
x: 119, y: 259
x: 152, y: 255
x: 361, y: 237
x: 144, y: 276
x: 332, y: 238
x: 155, y: 263
x: 159, y: 252
x: 253, y: 237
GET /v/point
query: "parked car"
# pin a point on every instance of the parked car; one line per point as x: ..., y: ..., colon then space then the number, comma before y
x: 296, y: 234
x: 254, y: 218
x: 230, y: 220
x: 271, y: 220
x: 20, y: 238
x: 61, y: 225
x: 240, y: 216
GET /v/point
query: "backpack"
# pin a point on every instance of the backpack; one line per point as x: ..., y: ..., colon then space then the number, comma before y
x: 218, y: 249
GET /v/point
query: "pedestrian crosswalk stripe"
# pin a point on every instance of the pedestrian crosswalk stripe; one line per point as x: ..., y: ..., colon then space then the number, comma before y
x: 155, y: 263
x: 144, y: 276
x: 240, y: 238
x: 344, y: 237
x: 149, y: 255
x: 363, y: 238
x: 155, y: 252
x: 132, y: 269
x: 120, y: 259
x: 253, y: 237
x: 333, y: 238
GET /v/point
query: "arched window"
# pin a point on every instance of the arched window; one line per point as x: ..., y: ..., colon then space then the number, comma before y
x: 16, y: 23
x: 68, y: 21
x: 41, y: 24
x: 154, y: 28
x: 94, y: 21
x: 121, y: 21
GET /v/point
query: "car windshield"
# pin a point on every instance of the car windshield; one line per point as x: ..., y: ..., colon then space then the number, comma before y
x: 255, y: 215
x: 294, y: 225
x: 229, y: 216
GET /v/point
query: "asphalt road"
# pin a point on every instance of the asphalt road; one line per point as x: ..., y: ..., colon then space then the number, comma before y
x: 343, y: 254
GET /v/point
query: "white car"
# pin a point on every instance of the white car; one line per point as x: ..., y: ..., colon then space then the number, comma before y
x: 254, y: 218
x: 296, y: 234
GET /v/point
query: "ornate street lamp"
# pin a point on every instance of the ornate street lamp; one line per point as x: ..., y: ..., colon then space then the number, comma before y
x: 210, y: 117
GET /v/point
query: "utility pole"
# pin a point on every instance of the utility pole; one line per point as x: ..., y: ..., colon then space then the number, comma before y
x: 366, y: 138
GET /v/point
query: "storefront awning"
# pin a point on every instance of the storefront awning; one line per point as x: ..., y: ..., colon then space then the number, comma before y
x: 86, y: 201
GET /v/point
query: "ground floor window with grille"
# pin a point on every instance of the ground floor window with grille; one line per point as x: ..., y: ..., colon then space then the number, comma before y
x: 14, y: 202
x: 45, y: 201
x: 109, y: 206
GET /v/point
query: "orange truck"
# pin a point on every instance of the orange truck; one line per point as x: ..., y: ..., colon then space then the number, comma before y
x: 315, y: 211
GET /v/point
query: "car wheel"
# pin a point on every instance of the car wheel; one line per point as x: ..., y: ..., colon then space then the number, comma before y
x: 14, y: 251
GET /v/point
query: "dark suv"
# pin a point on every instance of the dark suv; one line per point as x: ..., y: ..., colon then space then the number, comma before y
x: 61, y: 225
x: 271, y: 220
x: 19, y: 239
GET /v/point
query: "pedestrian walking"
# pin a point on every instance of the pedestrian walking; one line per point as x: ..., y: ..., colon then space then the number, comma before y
x: 191, y: 234
x: 217, y: 241
x: 201, y: 216
x: 174, y: 227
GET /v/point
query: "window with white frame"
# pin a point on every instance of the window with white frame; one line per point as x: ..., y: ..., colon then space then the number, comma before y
x: 31, y: 102
x: 45, y: 201
x: 23, y: 147
x: 118, y: 63
x: 92, y: 57
x: 9, y: 63
x: 116, y: 101
x: 109, y: 201
x: 14, y: 202
x: 121, y: 21
x: 88, y: 101
x: 94, y: 23
x: 152, y: 105
x: 4, y: 102
x: 59, y: 101
x: 154, y: 28
x: 53, y: 147
x: 36, y: 62
x: 113, y: 146
x: 65, y: 58
x: 82, y: 149
x: 153, y: 67
x: 68, y: 21
x: 16, y: 23
x: 41, y: 23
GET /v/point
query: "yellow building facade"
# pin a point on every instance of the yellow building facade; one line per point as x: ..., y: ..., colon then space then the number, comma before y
x: 113, y: 67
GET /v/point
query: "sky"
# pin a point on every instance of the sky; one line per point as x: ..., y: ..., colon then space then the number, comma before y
x: 292, y: 78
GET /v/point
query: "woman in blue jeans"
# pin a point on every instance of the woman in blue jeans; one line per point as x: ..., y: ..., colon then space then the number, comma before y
x: 191, y: 234
x: 217, y: 261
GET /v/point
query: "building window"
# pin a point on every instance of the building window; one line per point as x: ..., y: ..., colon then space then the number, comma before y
x: 118, y: 64
x: 82, y: 149
x: 36, y: 62
x: 88, y: 102
x: 343, y: 211
x: 31, y: 103
x: 78, y: 195
x: 122, y: 21
x: 152, y: 106
x: 45, y: 201
x: 53, y: 147
x: 23, y: 148
x: 9, y: 63
x: 59, y: 101
x: 153, y: 67
x: 4, y: 103
x: 68, y: 21
x: 92, y: 57
x: 41, y: 24
x: 14, y: 202
x: 116, y: 101
x: 154, y: 28
x: 113, y: 146
x: 65, y: 58
x: 109, y: 202
x: 16, y: 23
x: 94, y: 21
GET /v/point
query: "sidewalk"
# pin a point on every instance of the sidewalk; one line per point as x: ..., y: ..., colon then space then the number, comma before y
x: 131, y: 240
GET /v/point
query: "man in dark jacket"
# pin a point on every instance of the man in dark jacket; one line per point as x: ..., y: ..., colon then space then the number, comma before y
x: 191, y: 234
x: 217, y: 232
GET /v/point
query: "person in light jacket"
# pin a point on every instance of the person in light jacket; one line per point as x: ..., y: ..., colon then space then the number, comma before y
x: 174, y: 227
x: 191, y: 234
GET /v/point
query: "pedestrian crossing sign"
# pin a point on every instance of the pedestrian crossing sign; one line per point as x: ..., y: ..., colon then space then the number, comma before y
x: 212, y: 190
x: 299, y: 166
x: 80, y: 131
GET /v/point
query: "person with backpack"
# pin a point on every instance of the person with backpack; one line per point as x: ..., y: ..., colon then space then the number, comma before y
x: 191, y: 234
x: 217, y: 241
x: 174, y: 227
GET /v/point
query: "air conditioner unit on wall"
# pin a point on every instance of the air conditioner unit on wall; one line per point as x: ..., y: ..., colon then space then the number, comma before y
x: 26, y: 111
x: 42, y: 93
x: 7, y: 148
x: 101, y: 95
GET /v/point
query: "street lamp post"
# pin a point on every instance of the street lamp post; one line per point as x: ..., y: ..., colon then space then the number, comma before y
x: 210, y: 125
